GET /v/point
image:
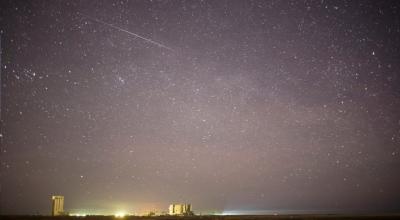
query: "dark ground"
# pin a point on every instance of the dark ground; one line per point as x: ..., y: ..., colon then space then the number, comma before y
x: 214, y: 217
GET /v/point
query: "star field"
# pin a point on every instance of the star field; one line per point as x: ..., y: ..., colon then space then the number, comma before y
x: 258, y: 106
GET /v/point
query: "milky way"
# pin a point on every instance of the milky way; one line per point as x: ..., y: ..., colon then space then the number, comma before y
x: 261, y: 105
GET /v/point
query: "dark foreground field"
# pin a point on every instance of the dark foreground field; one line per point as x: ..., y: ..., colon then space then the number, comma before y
x: 214, y: 217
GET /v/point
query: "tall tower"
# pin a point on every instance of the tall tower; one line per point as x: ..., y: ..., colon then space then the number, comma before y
x: 57, y: 205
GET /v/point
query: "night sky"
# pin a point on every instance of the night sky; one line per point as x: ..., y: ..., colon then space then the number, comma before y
x: 228, y: 105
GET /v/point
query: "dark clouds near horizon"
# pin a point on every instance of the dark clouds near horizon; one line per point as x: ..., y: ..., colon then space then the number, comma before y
x: 261, y: 105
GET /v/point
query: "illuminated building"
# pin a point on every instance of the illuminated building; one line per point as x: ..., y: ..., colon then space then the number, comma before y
x: 57, y: 205
x: 180, y: 209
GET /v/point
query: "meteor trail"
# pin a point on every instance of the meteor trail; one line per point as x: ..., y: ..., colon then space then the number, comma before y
x: 128, y: 32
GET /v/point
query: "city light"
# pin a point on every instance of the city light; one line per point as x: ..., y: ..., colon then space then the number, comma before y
x: 78, y: 214
x: 120, y: 214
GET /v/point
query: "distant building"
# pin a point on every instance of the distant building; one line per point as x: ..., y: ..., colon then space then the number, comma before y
x: 57, y: 205
x: 180, y: 209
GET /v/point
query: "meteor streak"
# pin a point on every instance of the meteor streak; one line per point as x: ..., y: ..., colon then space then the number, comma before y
x: 128, y: 32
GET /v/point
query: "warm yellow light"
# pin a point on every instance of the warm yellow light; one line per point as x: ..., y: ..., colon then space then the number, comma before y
x: 120, y: 214
x: 78, y: 214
